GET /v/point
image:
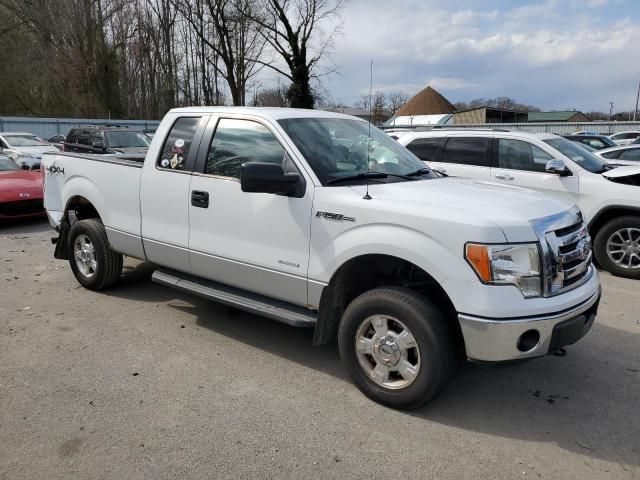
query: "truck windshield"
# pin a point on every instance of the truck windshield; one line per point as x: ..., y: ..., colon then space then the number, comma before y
x: 126, y: 139
x: 582, y: 157
x: 341, y: 147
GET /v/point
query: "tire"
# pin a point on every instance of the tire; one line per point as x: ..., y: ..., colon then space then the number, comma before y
x: 434, y: 354
x: 621, y: 234
x: 95, y: 266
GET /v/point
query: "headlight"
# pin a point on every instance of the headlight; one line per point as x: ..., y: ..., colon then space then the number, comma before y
x: 510, y: 264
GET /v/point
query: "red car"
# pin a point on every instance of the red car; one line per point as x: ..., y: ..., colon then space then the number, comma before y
x: 20, y: 191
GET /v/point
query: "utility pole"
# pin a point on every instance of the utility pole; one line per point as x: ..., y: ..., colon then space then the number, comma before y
x: 635, y: 112
x: 610, y: 113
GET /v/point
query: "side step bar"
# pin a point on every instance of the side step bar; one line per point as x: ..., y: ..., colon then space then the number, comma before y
x: 234, y: 297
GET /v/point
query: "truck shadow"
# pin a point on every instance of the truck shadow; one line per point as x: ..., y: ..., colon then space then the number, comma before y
x: 586, y: 403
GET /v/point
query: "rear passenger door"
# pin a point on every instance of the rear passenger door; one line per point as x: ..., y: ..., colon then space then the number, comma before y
x: 466, y: 156
x: 522, y: 164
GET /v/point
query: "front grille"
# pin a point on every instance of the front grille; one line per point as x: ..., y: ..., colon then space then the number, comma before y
x: 23, y: 207
x: 566, y: 247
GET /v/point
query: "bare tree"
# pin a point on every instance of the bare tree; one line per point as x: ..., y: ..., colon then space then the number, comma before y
x: 227, y: 28
x: 291, y: 27
x: 395, y: 101
x: 271, y: 97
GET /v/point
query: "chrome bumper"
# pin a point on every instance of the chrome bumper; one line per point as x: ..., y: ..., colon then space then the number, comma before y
x: 497, y: 340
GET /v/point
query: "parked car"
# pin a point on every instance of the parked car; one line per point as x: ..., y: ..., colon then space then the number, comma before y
x: 595, y: 141
x: 24, y: 148
x: 59, y: 138
x: 318, y: 219
x: 608, y: 197
x: 107, y: 139
x: 623, y: 155
x: 625, y: 138
x: 20, y: 190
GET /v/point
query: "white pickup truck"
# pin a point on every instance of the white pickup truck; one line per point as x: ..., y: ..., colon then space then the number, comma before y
x: 318, y: 220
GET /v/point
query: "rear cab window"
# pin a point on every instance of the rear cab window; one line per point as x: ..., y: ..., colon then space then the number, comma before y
x: 176, y: 148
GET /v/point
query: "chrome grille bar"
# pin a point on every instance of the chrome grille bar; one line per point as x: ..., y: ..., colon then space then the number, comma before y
x: 566, y: 251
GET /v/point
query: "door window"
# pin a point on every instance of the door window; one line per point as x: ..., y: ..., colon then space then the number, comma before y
x: 85, y: 138
x: 238, y: 141
x: 631, y: 154
x: 467, y: 151
x: 178, y: 143
x: 520, y: 155
x: 426, y: 149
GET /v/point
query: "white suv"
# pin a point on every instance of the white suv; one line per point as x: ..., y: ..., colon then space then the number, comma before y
x: 609, y: 197
x: 625, y: 138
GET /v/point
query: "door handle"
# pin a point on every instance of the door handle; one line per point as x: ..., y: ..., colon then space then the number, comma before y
x: 504, y: 176
x: 200, y: 199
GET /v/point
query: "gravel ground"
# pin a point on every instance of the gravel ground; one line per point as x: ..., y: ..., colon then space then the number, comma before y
x: 146, y: 382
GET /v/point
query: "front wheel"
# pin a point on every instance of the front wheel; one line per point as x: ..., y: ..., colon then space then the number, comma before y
x: 397, y: 347
x: 617, y: 247
x: 92, y: 261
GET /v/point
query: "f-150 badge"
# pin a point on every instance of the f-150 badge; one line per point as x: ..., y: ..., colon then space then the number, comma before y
x: 335, y: 216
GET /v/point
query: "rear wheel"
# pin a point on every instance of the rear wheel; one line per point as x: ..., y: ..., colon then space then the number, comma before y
x: 92, y: 261
x: 617, y: 247
x: 397, y: 346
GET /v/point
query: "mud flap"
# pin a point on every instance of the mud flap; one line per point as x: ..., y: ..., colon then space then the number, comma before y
x: 62, y: 248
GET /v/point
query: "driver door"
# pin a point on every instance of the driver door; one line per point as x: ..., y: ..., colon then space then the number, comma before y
x: 254, y: 241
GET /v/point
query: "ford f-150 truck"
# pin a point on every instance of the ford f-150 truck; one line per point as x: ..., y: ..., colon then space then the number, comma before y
x: 317, y: 219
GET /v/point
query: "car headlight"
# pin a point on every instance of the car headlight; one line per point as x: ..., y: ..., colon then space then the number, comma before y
x: 508, y: 264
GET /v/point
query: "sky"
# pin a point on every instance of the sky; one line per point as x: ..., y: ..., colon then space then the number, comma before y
x: 554, y: 54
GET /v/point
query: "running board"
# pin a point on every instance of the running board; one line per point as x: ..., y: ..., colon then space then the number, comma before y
x: 234, y: 297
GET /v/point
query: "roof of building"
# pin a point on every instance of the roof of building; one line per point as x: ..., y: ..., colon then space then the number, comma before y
x: 426, y: 102
x: 489, y: 108
x: 553, y: 116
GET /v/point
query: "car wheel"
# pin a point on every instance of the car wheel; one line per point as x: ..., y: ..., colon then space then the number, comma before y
x: 92, y: 261
x: 397, y: 347
x: 617, y: 247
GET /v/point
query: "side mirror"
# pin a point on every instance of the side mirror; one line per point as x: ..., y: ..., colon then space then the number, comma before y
x: 98, y: 145
x: 25, y: 166
x: 558, y: 167
x: 259, y: 177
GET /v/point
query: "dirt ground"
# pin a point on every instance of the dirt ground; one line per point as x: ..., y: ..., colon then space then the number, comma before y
x: 146, y: 382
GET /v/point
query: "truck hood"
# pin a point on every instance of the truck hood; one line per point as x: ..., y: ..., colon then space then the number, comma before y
x: 469, y: 201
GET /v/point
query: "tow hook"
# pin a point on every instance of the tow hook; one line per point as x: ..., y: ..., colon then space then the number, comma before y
x: 559, y: 352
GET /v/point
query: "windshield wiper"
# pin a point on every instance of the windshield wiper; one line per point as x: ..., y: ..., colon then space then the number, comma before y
x: 420, y: 171
x: 359, y: 176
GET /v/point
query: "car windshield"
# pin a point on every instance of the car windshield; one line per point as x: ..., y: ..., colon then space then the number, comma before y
x: 337, y: 148
x: 582, y: 157
x: 25, y: 141
x: 7, y: 164
x: 126, y: 139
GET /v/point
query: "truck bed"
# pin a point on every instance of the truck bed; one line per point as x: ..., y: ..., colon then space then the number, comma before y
x: 110, y: 183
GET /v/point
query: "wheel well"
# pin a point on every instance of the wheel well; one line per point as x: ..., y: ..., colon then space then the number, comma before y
x: 82, y: 209
x: 608, y: 214
x: 366, y: 272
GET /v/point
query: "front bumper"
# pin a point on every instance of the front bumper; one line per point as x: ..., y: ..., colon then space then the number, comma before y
x: 498, y: 340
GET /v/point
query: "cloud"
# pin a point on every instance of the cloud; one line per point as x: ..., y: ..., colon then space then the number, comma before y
x: 553, y: 53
